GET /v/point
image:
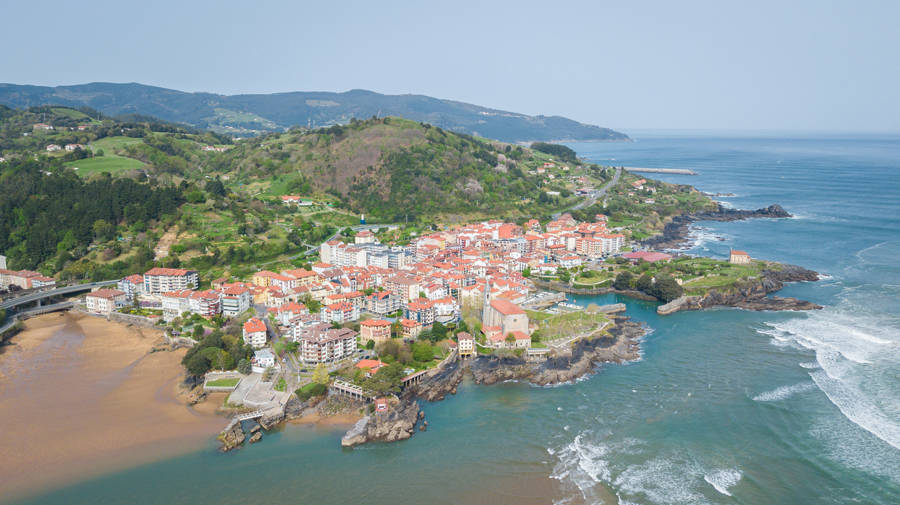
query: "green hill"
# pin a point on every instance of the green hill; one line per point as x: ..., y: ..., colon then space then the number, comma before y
x: 394, y: 169
x: 252, y: 114
x: 147, y: 192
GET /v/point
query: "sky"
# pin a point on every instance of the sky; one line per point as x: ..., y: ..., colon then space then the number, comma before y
x: 717, y: 65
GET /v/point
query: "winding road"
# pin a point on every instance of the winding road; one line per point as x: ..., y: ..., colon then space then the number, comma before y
x: 592, y: 199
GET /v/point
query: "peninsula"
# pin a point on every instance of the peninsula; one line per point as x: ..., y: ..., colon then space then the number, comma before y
x: 343, y: 274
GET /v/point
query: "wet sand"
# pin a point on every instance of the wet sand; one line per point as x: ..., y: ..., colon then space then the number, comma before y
x: 80, y: 396
x: 332, y: 420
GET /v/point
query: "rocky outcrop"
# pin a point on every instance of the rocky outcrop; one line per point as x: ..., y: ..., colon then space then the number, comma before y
x: 397, y: 423
x: 271, y: 418
x: 232, y: 438
x: 619, y: 343
x: 676, y: 231
x: 256, y: 437
x: 294, y: 408
x: 439, y: 385
x: 750, y: 294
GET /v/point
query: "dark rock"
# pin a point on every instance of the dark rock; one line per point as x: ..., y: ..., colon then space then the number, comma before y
x: 750, y: 294
x: 398, y: 423
x: 231, y: 438
x: 443, y: 382
x: 675, y: 232
x: 620, y: 345
x: 293, y: 408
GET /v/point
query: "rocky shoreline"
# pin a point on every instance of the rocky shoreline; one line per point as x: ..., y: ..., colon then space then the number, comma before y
x: 675, y: 233
x: 750, y: 295
x: 617, y: 344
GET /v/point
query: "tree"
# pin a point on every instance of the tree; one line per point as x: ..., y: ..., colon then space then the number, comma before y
x: 422, y: 351
x: 197, y: 364
x: 370, y: 344
x: 439, y: 331
x: 644, y: 283
x: 666, y: 289
x: 244, y: 366
x: 320, y: 375
x: 527, y: 272
x: 510, y: 339
x: 623, y: 281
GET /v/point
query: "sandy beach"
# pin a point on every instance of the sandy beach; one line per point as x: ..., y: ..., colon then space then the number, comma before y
x: 81, y: 396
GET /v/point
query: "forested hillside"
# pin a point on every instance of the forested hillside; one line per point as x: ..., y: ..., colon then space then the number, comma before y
x: 252, y: 114
x: 118, y: 195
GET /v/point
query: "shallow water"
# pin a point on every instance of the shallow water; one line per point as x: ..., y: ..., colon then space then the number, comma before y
x: 724, y: 406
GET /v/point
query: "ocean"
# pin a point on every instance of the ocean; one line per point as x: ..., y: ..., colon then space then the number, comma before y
x: 724, y: 406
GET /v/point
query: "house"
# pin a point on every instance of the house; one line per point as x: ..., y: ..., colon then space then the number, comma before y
x: 160, y: 280
x: 364, y: 237
x: 132, y: 285
x: 319, y: 343
x: 263, y: 358
x: 377, y: 330
x: 42, y: 126
x: 235, y: 300
x: 370, y: 366
x: 340, y: 312
x: 53, y: 147
x: 382, y: 303
x: 422, y: 311
x: 72, y: 147
x: 287, y: 312
x: 410, y: 329
x: 381, y: 405
x: 205, y: 303
x: 105, y: 301
x: 174, y: 303
x: 255, y: 333
x: 511, y: 340
x: 466, y: 344
x: 739, y: 257
x: 25, y: 279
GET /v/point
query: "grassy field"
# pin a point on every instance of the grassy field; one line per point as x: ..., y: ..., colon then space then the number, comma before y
x: 111, y: 163
x: 554, y: 326
x: 224, y: 383
x: 113, y: 143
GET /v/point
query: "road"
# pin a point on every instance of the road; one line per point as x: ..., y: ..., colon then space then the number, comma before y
x: 21, y: 300
x: 592, y: 199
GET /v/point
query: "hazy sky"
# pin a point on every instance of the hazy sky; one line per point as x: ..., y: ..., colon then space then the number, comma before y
x: 786, y: 65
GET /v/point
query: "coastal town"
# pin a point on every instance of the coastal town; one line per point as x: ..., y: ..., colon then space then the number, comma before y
x: 368, y: 322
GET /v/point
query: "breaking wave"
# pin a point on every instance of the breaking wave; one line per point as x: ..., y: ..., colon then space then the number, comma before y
x: 784, y: 392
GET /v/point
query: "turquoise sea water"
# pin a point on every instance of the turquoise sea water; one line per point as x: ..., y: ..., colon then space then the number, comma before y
x: 725, y: 406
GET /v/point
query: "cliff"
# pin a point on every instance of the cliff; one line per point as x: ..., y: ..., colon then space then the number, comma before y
x: 675, y: 232
x: 751, y: 294
x: 397, y: 423
x: 621, y: 344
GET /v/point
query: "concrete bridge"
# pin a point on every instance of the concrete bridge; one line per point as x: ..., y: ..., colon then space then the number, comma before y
x: 414, y: 378
x: 12, y: 320
x: 351, y: 390
x: 40, y: 295
x: 256, y: 414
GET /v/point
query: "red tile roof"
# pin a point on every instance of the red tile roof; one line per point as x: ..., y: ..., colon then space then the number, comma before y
x: 254, y: 325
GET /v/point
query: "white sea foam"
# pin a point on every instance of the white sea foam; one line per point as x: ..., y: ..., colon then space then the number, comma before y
x: 723, y: 480
x: 784, y: 392
x: 633, y: 473
x: 857, y: 350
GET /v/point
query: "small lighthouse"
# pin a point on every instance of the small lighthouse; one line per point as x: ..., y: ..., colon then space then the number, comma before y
x: 362, y: 219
